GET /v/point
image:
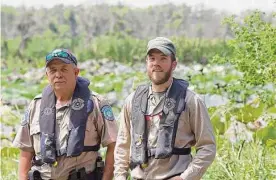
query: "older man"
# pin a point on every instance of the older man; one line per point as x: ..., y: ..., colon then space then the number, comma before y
x: 160, y: 122
x: 63, y: 128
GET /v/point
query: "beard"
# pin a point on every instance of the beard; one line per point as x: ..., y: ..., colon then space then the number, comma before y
x: 161, y: 77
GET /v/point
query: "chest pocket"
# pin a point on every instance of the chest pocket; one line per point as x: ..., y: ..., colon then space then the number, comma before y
x: 35, y: 136
x: 91, y: 132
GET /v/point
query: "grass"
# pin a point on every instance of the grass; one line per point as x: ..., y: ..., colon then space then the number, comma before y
x: 243, y: 160
x: 9, y: 163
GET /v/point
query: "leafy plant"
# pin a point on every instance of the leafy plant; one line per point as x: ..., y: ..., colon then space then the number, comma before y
x: 254, y: 54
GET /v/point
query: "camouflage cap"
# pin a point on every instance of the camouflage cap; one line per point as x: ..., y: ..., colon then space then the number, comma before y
x: 163, y: 44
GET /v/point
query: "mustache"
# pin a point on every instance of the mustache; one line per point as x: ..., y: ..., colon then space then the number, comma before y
x: 157, y: 69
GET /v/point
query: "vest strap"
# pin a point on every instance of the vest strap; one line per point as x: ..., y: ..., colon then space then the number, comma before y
x: 63, y: 151
x: 176, y: 151
x: 181, y: 151
x: 91, y: 148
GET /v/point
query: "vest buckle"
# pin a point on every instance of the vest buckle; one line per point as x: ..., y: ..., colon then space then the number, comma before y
x: 144, y: 165
x: 55, y: 164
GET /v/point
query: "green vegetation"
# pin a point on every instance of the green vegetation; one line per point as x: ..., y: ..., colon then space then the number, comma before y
x: 254, y: 55
x: 242, y: 160
x: 119, y: 47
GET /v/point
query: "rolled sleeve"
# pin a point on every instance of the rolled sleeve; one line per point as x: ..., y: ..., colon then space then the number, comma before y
x: 205, y: 139
x: 23, y: 138
x: 106, y: 123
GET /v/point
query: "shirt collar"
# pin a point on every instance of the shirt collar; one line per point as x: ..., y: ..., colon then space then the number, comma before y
x: 58, y: 106
x: 167, y: 91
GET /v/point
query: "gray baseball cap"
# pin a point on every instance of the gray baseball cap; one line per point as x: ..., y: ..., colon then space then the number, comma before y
x: 163, y: 44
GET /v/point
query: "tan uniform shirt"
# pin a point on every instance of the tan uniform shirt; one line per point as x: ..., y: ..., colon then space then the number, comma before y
x: 98, y: 129
x: 194, y: 129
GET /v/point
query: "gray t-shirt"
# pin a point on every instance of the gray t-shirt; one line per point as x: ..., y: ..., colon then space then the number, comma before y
x: 153, y: 114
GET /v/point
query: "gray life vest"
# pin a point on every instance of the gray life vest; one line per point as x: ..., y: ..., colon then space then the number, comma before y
x: 173, y: 106
x: 81, y: 107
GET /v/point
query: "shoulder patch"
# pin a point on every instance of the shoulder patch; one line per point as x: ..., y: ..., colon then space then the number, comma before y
x: 25, y: 118
x: 107, y: 113
x: 98, y: 97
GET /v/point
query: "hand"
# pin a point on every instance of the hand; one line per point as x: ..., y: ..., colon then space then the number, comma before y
x: 176, y: 178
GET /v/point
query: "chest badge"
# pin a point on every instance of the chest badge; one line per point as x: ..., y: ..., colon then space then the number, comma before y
x: 77, y: 104
x: 170, y: 103
x: 47, y: 111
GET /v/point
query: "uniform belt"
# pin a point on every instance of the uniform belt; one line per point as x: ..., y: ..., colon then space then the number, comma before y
x: 82, y: 175
x: 176, y: 151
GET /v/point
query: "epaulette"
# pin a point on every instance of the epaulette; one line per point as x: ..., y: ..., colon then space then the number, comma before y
x: 39, y: 96
x: 96, y: 95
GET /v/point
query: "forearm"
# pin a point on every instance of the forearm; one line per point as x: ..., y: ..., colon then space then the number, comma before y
x: 122, y: 148
x: 109, y: 162
x: 25, y: 159
x: 121, y: 158
x: 204, y: 139
x: 122, y: 155
x: 201, y: 161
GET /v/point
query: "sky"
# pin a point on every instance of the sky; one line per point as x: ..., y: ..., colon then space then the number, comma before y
x: 234, y: 6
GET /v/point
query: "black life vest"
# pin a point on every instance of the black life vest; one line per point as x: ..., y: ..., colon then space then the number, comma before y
x: 81, y: 107
x: 173, y: 106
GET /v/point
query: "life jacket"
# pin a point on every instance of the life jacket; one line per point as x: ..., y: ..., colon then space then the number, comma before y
x: 81, y: 107
x: 173, y: 106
